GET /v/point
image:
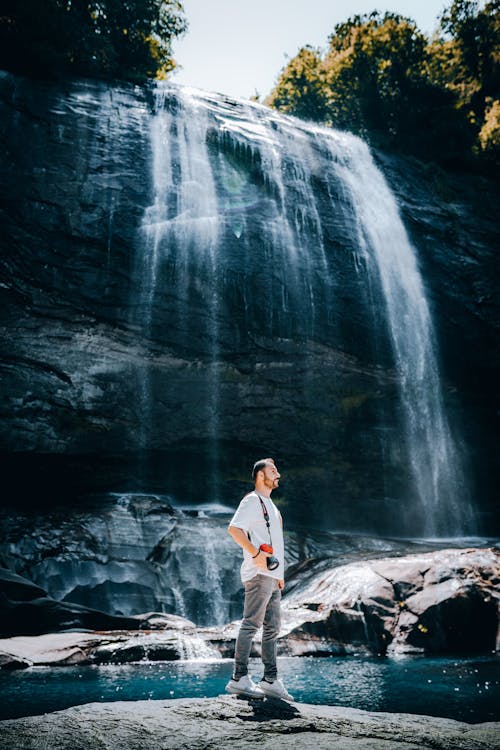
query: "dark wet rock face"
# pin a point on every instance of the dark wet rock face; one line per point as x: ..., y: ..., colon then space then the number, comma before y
x: 157, y: 338
x: 128, y: 554
x: 453, y: 221
x: 445, y: 601
x: 133, y: 553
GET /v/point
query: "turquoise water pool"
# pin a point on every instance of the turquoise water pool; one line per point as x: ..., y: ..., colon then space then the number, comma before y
x: 465, y: 689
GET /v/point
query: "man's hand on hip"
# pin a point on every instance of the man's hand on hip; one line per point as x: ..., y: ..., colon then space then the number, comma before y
x: 281, y: 583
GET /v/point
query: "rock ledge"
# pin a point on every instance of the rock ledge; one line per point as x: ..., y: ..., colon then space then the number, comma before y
x: 230, y: 722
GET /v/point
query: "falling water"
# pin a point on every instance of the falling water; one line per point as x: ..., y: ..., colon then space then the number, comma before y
x: 204, y: 147
x: 214, y: 584
x: 181, y: 228
x: 391, y: 265
x: 294, y: 229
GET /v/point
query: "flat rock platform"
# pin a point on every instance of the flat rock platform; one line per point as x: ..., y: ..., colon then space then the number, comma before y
x: 235, y: 722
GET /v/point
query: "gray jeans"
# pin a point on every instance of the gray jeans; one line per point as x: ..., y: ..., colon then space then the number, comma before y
x: 262, y: 608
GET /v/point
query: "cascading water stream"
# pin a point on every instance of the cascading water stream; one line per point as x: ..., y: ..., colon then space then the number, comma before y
x: 391, y: 264
x: 181, y: 229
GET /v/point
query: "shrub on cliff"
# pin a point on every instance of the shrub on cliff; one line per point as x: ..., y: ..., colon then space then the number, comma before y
x: 128, y: 39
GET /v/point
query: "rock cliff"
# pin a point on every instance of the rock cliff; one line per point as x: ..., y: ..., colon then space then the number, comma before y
x: 171, y: 370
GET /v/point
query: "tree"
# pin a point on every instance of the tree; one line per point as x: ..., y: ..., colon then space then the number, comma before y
x: 373, y: 68
x: 300, y: 88
x: 476, y: 34
x: 470, y: 66
x: 374, y: 80
x: 129, y: 39
x: 489, y: 135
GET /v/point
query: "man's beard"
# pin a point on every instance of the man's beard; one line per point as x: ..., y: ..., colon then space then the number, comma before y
x: 271, y: 483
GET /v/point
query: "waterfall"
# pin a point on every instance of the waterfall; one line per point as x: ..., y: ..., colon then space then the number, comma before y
x: 240, y: 174
x: 391, y: 264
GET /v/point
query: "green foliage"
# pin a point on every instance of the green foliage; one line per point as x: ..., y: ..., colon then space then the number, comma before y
x: 301, y: 91
x: 373, y: 71
x: 489, y: 135
x: 470, y: 67
x: 476, y: 34
x: 385, y: 80
x: 128, y: 39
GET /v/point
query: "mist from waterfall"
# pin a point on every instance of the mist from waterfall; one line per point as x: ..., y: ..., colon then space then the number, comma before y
x: 203, y: 147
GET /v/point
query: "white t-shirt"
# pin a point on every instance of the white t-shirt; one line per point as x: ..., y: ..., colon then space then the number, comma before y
x: 249, y: 516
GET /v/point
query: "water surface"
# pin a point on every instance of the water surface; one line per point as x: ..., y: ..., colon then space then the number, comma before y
x: 464, y: 689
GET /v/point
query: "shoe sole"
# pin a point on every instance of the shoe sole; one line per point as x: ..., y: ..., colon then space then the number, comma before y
x: 279, y: 697
x: 246, y: 693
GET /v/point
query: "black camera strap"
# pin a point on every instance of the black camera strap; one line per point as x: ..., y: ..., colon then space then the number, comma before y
x: 266, y: 517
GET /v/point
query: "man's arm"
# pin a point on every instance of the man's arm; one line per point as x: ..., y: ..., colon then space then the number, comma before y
x: 241, y: 538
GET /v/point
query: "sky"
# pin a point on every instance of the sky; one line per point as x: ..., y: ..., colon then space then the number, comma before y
x: 238, y: 47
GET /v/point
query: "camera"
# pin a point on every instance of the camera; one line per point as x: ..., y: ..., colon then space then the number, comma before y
x: 272, y: 562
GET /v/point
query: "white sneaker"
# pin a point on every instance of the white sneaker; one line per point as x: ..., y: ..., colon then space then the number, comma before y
x: 275, y: 689
x: 244, y: 686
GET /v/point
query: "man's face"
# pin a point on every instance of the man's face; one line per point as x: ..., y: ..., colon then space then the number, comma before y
x: 271, y: 476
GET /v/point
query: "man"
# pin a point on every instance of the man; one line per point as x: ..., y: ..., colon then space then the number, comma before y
x: 257, y: 521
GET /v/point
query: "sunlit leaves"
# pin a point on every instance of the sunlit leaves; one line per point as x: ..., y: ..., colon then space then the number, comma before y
x: 301, y: 87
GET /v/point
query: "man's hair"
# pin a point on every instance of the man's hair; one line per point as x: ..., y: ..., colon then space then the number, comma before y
x: 260, y: 465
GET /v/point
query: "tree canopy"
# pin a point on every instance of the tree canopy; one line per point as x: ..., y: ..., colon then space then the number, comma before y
x: 384, y: 79
x: 128, y: 39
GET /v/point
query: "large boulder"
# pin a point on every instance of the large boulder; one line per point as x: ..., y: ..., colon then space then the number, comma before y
x: 436, y: 602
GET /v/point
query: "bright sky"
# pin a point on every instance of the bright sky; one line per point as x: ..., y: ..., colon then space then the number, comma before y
x: 238, y: 47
